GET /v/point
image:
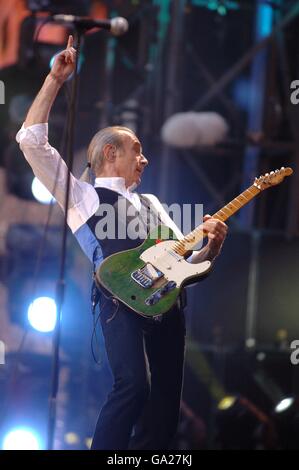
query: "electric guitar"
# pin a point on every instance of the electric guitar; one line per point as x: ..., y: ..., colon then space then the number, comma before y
x: 148, y: 279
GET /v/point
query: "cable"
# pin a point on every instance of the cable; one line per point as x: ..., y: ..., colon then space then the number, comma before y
x: 95, y: 299
x: 97, y: 358
x: 38, y: 30
x: 96, y: 320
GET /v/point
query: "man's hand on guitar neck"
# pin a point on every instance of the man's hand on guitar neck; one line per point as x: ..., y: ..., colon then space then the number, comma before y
x: 216, y: 232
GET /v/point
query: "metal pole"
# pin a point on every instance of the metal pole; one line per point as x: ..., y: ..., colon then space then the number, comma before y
x: 252, y: 293
x: 263, y: 26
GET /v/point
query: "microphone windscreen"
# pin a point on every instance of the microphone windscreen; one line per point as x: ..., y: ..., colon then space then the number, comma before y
x: 192, y: 129
x: 119, y: 26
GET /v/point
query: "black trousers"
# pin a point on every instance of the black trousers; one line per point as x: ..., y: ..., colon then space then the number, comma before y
x: 146, y: 357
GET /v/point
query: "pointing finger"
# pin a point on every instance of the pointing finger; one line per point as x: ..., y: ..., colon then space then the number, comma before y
x: 70, y: 41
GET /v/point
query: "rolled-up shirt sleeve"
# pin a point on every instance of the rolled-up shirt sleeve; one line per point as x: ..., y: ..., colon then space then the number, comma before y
x: 51, y: 170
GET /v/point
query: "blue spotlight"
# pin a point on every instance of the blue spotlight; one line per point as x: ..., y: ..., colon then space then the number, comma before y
x: 42, y: 314
x: 40, y: 192
x: 21, y: 439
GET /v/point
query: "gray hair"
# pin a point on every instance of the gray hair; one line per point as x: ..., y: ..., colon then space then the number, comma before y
x: 95, y: 157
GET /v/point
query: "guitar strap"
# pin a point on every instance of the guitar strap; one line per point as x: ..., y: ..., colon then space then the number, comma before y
x: 149, y: 213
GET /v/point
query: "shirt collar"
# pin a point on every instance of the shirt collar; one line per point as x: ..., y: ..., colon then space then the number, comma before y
x: 115, y: 183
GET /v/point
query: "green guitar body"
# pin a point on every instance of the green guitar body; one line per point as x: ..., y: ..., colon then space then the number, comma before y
x: 114, y: 274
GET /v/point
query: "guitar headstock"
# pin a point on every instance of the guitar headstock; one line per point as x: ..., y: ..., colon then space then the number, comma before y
x: 272, y: 178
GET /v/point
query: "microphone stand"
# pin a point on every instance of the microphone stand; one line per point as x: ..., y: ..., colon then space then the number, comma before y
x: 60, y: 286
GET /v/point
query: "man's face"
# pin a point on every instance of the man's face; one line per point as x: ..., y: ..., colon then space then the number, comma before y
x: 130, y: 162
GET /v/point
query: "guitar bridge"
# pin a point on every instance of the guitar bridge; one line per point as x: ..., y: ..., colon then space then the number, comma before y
x: 146, y: 276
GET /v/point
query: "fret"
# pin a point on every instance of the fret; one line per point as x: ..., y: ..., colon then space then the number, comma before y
x: 236, y: 203
x: 241, y: 196
x: 252, y: 190
x: 219, y: 213
x: 232, y: 207
x: 224, y: 209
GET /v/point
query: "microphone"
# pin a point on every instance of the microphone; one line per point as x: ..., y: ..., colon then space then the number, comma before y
x: 117, y: 26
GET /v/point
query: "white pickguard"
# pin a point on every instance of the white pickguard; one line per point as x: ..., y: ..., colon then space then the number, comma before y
x: 174, y: 267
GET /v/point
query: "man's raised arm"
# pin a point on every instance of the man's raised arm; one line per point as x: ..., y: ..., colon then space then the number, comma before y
x: 45, y: 160
x: 63, y: 67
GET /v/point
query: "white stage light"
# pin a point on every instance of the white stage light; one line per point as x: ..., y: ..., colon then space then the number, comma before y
x: 42, y: 314
x: 21, y: 439
x: 284, y: 404
x: 40, y: 192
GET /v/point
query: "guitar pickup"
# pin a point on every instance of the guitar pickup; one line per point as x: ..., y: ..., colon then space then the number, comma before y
x: 158, y: 294
x: 146, y: 276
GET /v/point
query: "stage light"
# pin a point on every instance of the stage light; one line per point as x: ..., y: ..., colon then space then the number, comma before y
x: 222, y: 10
x: 42, y: 314
x: 21, y: 439
x: 71, y: 438
x: 40, y: 192
x: 284, y: 404
x: 219, y: 6
x: 226, y: 402
x: 88, y: 442
x: 212, y: 5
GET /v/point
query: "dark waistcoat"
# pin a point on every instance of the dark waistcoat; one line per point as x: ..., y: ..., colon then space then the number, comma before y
x: 118, y: 225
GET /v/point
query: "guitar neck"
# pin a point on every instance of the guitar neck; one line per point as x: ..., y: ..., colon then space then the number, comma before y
x: 197, y: 235
x: 237, y: 203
